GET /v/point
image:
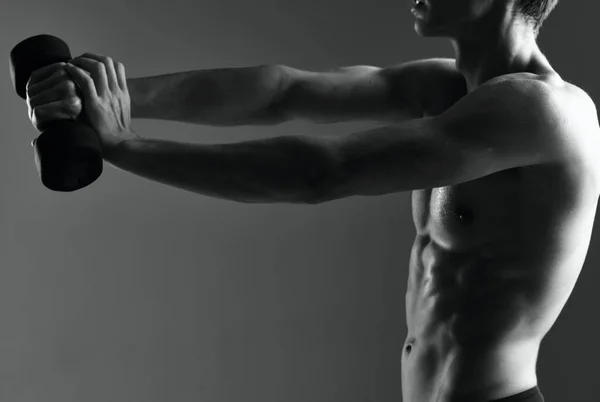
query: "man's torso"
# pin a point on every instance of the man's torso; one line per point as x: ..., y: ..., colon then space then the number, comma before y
x: 492, y: 265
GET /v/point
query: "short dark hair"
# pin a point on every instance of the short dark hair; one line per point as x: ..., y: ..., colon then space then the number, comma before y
x: 535, y: 11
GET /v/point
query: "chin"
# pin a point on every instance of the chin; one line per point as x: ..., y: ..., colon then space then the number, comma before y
x: 427, y: 30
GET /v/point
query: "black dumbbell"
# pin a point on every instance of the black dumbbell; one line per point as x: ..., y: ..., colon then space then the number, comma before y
x: 68, y: 154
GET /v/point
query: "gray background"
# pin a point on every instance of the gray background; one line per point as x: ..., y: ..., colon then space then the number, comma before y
x: 131, y: 291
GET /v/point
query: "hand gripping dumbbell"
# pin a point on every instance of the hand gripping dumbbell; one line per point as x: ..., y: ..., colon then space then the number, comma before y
x: 68, y: 153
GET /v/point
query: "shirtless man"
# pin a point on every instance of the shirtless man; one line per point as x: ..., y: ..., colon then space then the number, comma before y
x: 496, y: 148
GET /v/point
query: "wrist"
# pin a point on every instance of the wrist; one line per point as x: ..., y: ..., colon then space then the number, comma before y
x: 137, y: 97
x: 113, y: 151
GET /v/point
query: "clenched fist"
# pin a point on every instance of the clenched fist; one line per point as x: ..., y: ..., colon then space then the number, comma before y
x: 106, y: 101
x: 90, y: 88
x: 52, y: 95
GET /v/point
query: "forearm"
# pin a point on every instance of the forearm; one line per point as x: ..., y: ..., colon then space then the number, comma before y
x: 219, y: 97
x: 290, y: 169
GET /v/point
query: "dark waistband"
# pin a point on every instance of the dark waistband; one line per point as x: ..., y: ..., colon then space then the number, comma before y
x: 530, y: 395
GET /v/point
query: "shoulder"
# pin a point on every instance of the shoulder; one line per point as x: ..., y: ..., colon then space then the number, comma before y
x: 510, y: 115
x: 567, y: 106
x: 580, y: 128
x: 556, y: 115
x: 548, y: 90
x: 507, y: 99
x: 527, y: 97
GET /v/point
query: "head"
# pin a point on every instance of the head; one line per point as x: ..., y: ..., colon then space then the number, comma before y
x: 467, y: 19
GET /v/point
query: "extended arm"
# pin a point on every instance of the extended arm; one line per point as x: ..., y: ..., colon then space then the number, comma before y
x: 289, y: 169
x: 273, y: 94
x: 497, y: 127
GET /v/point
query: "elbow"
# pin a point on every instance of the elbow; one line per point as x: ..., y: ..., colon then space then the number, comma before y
x: 327, y: 182
x: 313, y: 173
x: 315, y: 190
x: 317, y: 198
x: 278, y: 80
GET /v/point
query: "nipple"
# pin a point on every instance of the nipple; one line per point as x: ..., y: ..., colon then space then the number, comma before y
x: 464, y: 214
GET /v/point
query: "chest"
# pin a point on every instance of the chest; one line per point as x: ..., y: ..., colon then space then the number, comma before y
x: 465, y: 215
x: 503, y: 205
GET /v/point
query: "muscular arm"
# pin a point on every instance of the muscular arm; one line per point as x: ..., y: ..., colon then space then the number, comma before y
x: 497, y: 127
x: 503, y: 124
x: 273, y: 94
x: 468, y: 141
x: 288, y: 169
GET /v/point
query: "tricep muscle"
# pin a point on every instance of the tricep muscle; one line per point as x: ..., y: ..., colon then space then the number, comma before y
x: 367, y: 93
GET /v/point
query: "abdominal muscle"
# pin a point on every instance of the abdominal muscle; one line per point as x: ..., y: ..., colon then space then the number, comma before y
x: 493, y: 264
x: 468, y: 334
x: 435, y: 373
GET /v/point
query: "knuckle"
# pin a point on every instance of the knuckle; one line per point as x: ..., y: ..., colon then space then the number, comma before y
x: 70, y: 87
x: 33, y: 79
x: 30, y: 82
x: 70, y: 111
x: 98, y: 58
x: 34, y: 101
x: 37, y: 114
x: 99, y: 67
x: 61, y: 73
x: 74, y: 102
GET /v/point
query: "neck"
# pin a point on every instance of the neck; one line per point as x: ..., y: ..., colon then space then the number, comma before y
x: 506, y: 47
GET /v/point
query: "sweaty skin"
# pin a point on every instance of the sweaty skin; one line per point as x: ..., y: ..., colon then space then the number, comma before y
x: 492, y: 265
